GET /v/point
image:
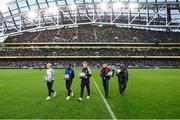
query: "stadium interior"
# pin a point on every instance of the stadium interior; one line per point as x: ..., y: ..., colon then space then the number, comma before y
x: 144, y: 35
x: 38, y: 31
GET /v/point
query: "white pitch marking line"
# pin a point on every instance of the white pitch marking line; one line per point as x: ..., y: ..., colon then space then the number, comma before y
x: 105, y: 101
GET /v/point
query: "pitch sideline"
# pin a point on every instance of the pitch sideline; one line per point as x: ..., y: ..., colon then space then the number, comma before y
x: 105, y: 101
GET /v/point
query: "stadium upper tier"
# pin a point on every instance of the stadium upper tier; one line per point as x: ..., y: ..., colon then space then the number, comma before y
x: 90, y: 33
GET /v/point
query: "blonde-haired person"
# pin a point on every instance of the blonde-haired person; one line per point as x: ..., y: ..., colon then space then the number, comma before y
x: 49, y: 79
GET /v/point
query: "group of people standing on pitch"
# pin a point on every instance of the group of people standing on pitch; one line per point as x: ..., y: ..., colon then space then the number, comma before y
x: 106, y: 73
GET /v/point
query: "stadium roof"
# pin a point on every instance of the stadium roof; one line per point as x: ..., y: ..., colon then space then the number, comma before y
x: 24, y: 15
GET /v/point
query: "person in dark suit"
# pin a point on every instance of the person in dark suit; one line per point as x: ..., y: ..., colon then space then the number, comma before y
x: 122, y: 75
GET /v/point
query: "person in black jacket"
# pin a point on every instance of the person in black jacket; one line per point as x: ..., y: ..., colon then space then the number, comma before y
x: 122, y: 75
x: 69, y: 75
x: 106, y: 73
x: 85, y: 80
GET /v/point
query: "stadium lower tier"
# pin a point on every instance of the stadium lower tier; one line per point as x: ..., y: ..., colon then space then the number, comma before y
x: 90, y: 52
x: 60, y: 63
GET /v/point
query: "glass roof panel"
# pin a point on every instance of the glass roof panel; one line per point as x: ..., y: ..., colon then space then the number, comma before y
x: 61, y: 2
x: 175, y: 14
x: 70, y: 2
x: 125, y: 0
x: 24, y: 9
x: 52, y: 4
x: 41, y: 1
x: 6, y: 14
x: 15, y: 11
x: 17, y: 18
x: 142, y: 0
x: 32, y: 2
x: 50, y: 0
x: 79, y: 1
x: 106, y: 0
x: 115, y: 0
x: 22, y: 4
x: 13, y: 6
x: 34, y: 7
x: 88, y: 1
x: 43, y: 5
x: 160, y: 0
x: 150, y: 0
x: 97, y: 1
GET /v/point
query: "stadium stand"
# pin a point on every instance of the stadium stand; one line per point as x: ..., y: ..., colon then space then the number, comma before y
x: 134, y: 47
x: 60, y: 63
x: 96, y: 34
x: 90, y: 52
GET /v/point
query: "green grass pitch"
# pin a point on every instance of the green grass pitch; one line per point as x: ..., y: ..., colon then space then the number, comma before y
x: 151, y: 93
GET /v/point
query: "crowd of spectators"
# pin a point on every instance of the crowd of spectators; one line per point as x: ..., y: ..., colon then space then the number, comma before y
x: 92, y: 34
x: 60, y: 63
x: 96, y: 34
x: 90, y: 52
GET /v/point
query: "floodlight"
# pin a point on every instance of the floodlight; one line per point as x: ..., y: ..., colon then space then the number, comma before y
x: 133, y: 6
x: 90, y: 6
x: 32, y: 14
x: 103, y: 6
x: 72, y: 7
x: 118, y: 5
x: 52, y: 11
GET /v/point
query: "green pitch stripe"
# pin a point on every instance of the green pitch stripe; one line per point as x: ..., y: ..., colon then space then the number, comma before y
x: 105, y: 101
